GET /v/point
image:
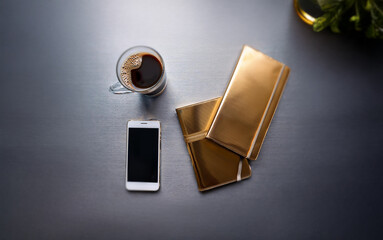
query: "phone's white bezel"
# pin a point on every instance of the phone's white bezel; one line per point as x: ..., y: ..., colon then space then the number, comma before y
x: 142, y: 186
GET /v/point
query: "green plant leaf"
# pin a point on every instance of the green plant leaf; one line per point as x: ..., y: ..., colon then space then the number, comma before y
x: 365, y: 15
x: 322, y: 22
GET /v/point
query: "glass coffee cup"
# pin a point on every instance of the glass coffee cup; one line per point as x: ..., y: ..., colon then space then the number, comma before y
x: 140, y: 69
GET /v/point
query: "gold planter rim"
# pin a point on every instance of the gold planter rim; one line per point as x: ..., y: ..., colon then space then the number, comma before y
x: 307, y: 18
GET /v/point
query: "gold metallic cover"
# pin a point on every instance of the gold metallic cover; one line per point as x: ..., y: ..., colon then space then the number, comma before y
x: 213, y: 164
x: 249, y: 103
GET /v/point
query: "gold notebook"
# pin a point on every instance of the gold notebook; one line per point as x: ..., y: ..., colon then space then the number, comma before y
x: 213, y: 165
x: 249, y: 103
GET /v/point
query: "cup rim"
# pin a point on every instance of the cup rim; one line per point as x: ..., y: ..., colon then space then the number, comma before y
x: 137, y: 88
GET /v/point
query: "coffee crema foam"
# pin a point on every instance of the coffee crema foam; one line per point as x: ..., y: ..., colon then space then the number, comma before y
x: 131, y: 63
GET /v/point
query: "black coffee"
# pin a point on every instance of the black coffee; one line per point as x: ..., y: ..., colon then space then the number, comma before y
x: 148, y: 73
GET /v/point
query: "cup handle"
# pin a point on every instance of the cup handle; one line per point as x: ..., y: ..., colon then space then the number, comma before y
x: 117, y: 88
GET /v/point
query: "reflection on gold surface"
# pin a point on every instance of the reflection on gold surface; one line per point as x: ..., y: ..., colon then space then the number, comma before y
x: 213, y: 165
x: 249, y: 103
x: 307, y: 18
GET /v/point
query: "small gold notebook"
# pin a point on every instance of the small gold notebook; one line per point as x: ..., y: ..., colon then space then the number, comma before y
x: 249, y: 103
x: 213, y: 165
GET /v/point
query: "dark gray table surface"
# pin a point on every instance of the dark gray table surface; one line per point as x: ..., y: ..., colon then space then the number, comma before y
x: 62, y: 133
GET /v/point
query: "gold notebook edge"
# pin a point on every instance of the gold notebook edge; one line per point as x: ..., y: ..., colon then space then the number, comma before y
x: 201, y: 183
x: 223, y: 184
x: 183, y: 128
x: 265, y: 128
x: 223, y: 99
x: 196, y: 170
x: 224, y: 96
x: 196, y: 103
x: 284, y: 68
x: 266, y: 112
x: 223, y: 145
x: 245, y: 169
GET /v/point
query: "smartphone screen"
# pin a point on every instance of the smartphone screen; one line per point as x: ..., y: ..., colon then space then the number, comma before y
x: 143, y: 155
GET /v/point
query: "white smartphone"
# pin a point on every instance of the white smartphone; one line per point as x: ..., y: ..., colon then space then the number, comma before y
x: 143, y: 156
